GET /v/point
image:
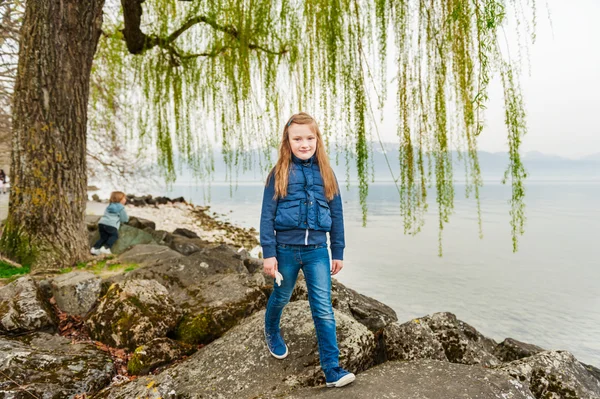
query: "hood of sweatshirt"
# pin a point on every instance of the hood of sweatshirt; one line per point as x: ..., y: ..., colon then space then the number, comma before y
x: 115, y: 207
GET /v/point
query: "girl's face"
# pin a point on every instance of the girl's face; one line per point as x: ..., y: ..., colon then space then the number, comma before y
x: 303, y: 141
x: 123, y: 200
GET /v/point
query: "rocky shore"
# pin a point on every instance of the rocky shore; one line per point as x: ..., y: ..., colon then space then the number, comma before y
x: 177, y: 312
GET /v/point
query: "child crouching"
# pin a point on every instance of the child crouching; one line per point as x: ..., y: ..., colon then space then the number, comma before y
x: 109, y: 224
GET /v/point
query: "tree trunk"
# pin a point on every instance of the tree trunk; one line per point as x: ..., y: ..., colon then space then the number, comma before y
x: 45, y: 226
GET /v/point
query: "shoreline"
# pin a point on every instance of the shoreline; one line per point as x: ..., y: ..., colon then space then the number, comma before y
x: 199, y: 219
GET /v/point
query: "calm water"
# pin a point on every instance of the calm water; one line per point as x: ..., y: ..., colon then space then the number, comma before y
x: 547, y: 294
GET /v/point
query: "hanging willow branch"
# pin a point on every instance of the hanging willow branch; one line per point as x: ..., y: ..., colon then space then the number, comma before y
x: 238, y: 68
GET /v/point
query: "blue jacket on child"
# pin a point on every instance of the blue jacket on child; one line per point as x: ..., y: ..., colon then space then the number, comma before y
x: 303, y: 216
x: 114, y: 215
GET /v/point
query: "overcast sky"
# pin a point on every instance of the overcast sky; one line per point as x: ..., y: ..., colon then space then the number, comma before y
x: 562, y: 93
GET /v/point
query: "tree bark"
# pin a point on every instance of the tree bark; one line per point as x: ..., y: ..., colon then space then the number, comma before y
x: 45, y: 226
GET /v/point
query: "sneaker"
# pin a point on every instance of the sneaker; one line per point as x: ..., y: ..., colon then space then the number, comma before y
x: 276, y: 345
x: 95, y: 251
x: 337, y: 377
x: 105, y: 251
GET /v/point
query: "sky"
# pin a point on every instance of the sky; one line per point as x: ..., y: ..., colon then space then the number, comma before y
x: 561, y: 89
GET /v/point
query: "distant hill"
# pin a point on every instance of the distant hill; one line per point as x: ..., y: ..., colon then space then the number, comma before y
x: 592, y: 157
x: 539, y: 166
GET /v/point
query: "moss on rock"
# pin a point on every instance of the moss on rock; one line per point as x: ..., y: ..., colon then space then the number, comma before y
x: 132, y: 313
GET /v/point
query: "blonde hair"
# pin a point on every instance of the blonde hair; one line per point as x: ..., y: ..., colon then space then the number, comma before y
x: 281, y: 171
x: 116, y: 196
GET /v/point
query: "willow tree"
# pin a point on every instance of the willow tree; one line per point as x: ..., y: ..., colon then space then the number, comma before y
x: 237, y: 68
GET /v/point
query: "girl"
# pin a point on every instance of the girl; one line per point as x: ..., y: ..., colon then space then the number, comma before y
x: 301, y: 203
x: 108, y: 225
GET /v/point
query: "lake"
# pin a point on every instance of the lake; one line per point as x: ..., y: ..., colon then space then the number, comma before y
x: 548, y: 293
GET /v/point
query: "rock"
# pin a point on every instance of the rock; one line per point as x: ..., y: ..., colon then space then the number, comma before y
x: 128, y: 237
x: 95, y: 198
x: 368, y: 311
x: 423, y: 379
x: 252, y: 264
x: 186, y: 233
x: 137, y: 201
x: 212, y: 287
x: 238, y: 365
x: 76, y: 292
x: 156, y: 353
x: 595, y: 371
x: 45, y: 289
x: 162, y: 200
x: 160, y: 236
x: 186, y: 246
x: 178, y: 199
x: 23, y: 309
x: 461, y: 342
x: 221, y: 302
x: 132, y: 313
x: 554, y: 375
x: 140, y: 223
x: 148, y: 254
x: 181, y: 274
x: 91, y: 222
x: 410, y: 341
x: 50, y: 366
x: 511, y: 349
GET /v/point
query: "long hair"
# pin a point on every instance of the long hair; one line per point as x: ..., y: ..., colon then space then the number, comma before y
x: 281, y: 171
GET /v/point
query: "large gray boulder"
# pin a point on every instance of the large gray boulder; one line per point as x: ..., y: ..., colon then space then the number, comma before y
x: 148, y: 254
x: 23, y: 309
x: 410, y: 341
x: 217, y: 303
x: 185, y: 245
x: 76, y: 292
x: 368, y: 311
x: 423, y: 379
x: 50, y: 366
x: 462, y: 343
x: 132, y: 313
x: 440, y: 336
x: 554, y: 375
x: 140, y: 223
x: 128, y: 237
x: 511, y: 349
x: 212, y: 287
x: 238, y: 365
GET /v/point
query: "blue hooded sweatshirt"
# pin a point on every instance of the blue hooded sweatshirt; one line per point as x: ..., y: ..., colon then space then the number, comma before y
x: 114, y: 215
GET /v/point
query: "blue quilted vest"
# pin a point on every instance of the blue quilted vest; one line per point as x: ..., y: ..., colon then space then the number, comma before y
x: 305, y: 205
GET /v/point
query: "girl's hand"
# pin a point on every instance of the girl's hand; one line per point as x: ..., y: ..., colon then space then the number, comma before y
x: 270, y: 265
x: 336, y: 266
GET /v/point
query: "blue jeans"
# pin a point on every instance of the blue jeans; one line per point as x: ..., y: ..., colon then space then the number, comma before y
x: 108, y: 236
x: 314, y: 262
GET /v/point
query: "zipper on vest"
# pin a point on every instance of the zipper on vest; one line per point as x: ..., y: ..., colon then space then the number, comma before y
x: 306, y: 238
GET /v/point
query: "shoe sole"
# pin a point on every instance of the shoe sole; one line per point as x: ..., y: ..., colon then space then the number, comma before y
x: 277, y: 356
x: 345, y: 380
